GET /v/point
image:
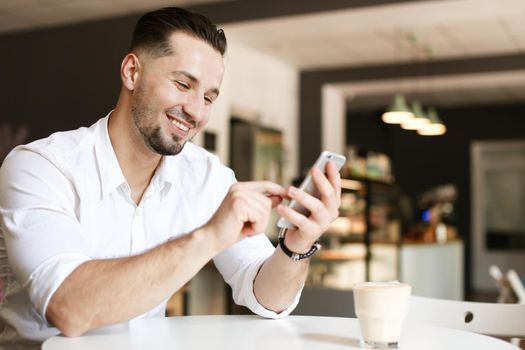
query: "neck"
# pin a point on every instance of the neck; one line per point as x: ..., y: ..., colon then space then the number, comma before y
x: 137, y: 161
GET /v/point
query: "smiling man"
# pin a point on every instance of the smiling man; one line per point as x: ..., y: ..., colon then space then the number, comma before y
x: 102, y: 225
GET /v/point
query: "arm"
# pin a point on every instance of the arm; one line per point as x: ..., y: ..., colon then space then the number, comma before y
x: 103, y: 292
x: 280, y: 278
x: 93, y: 294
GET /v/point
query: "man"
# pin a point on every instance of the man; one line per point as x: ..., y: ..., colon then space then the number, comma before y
x: 103, y: 224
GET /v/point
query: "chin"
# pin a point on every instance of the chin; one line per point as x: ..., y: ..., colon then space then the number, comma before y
x: 166, y: 148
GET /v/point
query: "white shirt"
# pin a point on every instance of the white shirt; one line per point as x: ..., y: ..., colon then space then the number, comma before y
x: 64, y: 201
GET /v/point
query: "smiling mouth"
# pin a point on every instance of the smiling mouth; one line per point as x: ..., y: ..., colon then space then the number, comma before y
x: 182, y: 126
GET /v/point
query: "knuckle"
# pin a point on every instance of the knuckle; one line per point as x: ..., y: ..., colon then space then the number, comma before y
x: 236, y: 205
x: 236, y: 195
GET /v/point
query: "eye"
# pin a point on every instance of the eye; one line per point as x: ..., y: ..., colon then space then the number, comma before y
x: 208, y: 100
x: 182, y: 85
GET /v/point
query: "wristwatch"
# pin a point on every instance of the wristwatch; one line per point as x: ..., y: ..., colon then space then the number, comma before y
x: 296, y: 256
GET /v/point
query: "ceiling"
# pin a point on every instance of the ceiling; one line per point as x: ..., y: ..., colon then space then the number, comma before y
x: 402, y: 32
x: 18, y: 15
x: 421, y: 31
x: 417, y: 31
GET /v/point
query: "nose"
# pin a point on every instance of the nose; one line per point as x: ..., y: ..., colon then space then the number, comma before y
x: 194, y: 107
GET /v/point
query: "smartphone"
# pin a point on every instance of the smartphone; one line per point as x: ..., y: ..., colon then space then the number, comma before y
x: 308, y: 184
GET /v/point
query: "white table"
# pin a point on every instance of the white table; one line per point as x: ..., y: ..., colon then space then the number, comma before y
x: 252, y: 332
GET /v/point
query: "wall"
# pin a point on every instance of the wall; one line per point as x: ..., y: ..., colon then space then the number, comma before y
x: 262, y: 89
x: 64, y: 77
x: 424, y: 162
x: 333, y: 123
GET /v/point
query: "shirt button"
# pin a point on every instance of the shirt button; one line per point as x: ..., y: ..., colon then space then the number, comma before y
x: 137, y: 212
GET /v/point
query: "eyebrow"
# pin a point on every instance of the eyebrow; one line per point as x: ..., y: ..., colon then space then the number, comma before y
x: 194, y: 80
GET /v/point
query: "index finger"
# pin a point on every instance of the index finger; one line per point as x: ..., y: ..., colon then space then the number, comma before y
x: 265, y: 187
x: 334, y: 177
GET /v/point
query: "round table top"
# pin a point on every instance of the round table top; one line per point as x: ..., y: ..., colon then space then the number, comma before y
x: 253, y: 332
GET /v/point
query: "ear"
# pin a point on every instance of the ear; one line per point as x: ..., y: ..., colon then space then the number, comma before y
x: 129, y: 71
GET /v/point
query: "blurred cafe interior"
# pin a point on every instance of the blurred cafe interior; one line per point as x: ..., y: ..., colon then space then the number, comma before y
x: 438, y: 203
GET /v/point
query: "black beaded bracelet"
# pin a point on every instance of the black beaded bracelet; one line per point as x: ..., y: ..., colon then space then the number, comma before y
x: 296, y: 256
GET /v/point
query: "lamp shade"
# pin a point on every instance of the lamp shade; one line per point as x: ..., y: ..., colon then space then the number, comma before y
x: 436, y: 126
x: 419, y: 119
x: 398, y: 112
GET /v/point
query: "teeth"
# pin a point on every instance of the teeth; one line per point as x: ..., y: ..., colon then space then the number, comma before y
x: 179, y: 125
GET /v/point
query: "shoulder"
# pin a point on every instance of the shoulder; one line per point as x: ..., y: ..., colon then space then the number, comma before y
x: 57, y: 153
x: 42, y: 169
x: 66, y: 144
x: 61, y: 145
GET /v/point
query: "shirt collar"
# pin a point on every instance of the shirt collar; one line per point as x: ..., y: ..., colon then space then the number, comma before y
x: 111, y: 176
x: 175, y: 171
x: 161, y: 180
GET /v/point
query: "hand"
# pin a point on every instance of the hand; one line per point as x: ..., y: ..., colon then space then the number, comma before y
x: 323, y: 211
x: 245, y: 211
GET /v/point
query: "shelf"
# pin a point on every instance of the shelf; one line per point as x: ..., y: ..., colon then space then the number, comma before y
x: 338, y: 255
x: 363, y: 242
x: 420, y: 242
x: 367, y: 180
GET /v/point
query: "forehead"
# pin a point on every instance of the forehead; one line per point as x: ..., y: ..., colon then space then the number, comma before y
x: 194, y: 56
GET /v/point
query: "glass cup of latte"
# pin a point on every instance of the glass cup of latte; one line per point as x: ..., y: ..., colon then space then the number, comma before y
x: 381, y: 308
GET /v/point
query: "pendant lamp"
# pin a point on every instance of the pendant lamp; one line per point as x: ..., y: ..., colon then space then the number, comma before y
x: 398, y: 112
x: 435, y: 127
x: 419, y: 119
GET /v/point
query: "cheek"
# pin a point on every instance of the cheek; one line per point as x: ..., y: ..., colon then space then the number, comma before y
x: 206, y: 117
x: 169, y: 93
x: 161, y: 96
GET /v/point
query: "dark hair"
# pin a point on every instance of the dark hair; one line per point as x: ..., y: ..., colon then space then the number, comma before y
x: 153, y: 30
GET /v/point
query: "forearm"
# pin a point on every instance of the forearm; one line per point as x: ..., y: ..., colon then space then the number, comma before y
x: 103, y: 292
x: 279, y: 280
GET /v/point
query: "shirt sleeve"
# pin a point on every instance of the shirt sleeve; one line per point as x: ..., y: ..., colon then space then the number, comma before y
x: 239, y: 265
x: 42, y: 233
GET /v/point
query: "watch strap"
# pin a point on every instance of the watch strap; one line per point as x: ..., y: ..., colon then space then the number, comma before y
x: 296, y: 256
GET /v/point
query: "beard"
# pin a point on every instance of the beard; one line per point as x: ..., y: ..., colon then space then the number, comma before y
x: 144, y: 118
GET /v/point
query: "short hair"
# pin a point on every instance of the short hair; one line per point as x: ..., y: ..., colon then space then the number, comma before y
x: 153, y: 30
